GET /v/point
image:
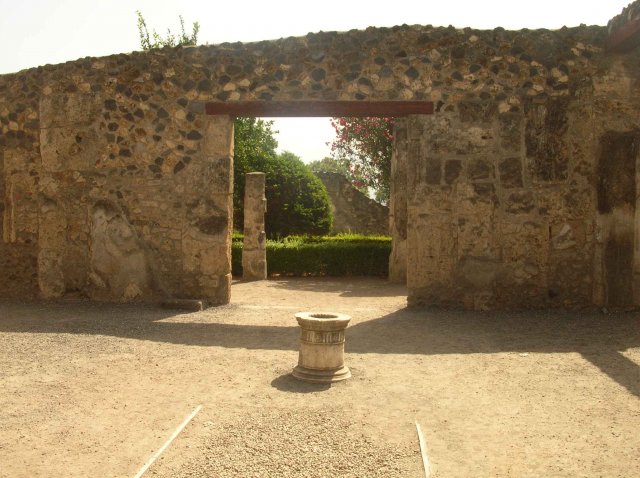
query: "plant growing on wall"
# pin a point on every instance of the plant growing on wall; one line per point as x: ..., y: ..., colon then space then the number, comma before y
x: 148, y: 42
x: 297, y: 201
x: 363, y: 146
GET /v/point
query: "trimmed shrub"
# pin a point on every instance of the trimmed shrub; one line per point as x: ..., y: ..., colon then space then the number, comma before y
x: 236, y: 253
x: 341, y: 255
x: 254, y: 145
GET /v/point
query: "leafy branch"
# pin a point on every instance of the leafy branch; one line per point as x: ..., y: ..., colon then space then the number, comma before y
x: 149, y: 42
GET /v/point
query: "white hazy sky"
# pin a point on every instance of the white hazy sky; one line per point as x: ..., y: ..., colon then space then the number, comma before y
x: 37, y: 32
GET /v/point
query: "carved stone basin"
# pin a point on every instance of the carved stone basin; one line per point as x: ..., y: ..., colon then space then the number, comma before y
x: 321, y: 358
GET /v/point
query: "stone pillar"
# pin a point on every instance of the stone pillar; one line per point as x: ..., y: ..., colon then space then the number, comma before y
x: 430, y: 228
x: 205, y: 187
x: 254, y: 249
x: 398, y: 204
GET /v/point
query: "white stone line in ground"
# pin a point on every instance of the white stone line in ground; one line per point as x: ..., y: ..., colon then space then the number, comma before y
x: 423, y: 452
x: 155, y: 456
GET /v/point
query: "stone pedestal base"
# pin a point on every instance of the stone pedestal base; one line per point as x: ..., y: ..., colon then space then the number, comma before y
x: 321, y: 358
x: 321, y: 376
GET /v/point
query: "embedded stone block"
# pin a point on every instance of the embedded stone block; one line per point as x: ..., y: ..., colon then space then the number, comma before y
x: 510, y: 170
x: 431, y: 256
x: 209, y: 215
x: 64, y: 109
x: 452, y: 171
x: 477, y: 112
x: 510, y: 132
x: 218, y: 136
x: 50, y: 275
x: 448, y: 136
x: 203, y: 254
x: 69, y: 148
x: 520, y: 202
x: 546, y: 148
x: 20, y: 217
x: 476, y: 236
x: 479, y: 169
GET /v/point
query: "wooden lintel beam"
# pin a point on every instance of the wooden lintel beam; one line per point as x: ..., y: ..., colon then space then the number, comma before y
x: 625, y: 38
x: 320, y: 108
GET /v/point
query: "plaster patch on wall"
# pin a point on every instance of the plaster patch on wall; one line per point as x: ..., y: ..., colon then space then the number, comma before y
x: 120, y: 263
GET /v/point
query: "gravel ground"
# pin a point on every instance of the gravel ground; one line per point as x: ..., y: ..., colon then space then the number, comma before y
x: 312, y: 443
x: 96, y: 389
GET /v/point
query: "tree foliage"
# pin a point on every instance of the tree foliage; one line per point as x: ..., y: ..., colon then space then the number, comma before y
x: 328, y: 165
x: 148, y: 42
x: 297, y: 201
x: 254, y: 145
x: 363, y: 146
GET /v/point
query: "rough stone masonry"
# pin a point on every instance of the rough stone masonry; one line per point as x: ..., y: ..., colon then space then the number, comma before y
x: 519, y: 191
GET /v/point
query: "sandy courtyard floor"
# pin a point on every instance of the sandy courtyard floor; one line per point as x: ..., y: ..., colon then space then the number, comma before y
x: 94, y: 390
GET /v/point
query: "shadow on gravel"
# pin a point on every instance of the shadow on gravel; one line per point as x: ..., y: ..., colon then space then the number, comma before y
x: 599, y: 338
x: 288, y: 383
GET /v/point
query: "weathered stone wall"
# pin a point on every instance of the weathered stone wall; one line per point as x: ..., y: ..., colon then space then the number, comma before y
x: 630, y: 13
x: 18, y: 195
x: 503, y: 199
x: 111, y: 165
x: 353, y: 211
x: 398, y: 203
x: 624, y: 29
x: 113, y: 188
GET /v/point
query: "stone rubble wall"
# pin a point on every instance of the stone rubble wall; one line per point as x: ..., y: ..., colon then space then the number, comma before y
x: 629, y: 13
x: 352, y: 210
x: 110, y: 164
x: 111, y: 190
x: 503, y: 203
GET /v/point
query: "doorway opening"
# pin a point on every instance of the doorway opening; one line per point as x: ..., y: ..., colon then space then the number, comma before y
x: 258, y: 111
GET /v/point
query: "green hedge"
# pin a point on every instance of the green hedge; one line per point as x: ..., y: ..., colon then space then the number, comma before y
x: 341, y: 255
